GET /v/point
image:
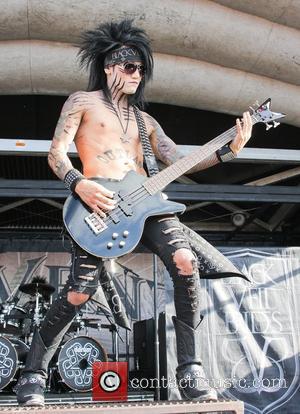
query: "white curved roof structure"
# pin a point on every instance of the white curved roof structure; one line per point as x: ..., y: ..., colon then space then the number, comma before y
x: 217, y: 55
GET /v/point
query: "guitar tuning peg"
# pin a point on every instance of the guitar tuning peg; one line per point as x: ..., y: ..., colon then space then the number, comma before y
x: 275, y: 124
x: 251, y: 108
x: 268, y: 126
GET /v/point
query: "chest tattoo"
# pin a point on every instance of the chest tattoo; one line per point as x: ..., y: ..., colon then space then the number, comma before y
x: 119, y: 154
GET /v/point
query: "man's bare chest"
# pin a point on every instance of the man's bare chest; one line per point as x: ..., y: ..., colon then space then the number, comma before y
x: 110, y: 123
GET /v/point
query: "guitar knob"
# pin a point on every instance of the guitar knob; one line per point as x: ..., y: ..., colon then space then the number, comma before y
x: 109, y: 245
x: 122, y: 244
x: 114, y: 236
x: 125, y: 233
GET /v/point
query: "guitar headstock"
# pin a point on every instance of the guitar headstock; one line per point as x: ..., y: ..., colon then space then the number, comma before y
x: 263, y: 113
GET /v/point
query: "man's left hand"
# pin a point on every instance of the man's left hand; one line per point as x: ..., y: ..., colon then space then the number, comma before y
x: 244, y: 130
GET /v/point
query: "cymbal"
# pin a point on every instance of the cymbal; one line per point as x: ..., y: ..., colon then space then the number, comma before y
x: 33, y: 288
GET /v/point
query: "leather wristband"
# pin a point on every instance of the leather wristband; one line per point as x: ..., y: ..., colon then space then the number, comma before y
x: 225, y: 154
x: 72, y: 178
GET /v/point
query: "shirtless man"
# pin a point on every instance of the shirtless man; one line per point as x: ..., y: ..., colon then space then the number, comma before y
x: 103, y: 126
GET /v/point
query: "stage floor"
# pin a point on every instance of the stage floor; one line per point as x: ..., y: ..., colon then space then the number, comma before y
x: 138, y: 403
x: 72, y: 398
x: 179, y: 407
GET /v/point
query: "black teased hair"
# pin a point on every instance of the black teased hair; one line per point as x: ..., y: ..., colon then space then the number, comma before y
x: 95, y: 44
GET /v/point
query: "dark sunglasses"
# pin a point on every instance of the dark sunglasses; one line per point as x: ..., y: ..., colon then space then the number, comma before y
x: 130, y: 68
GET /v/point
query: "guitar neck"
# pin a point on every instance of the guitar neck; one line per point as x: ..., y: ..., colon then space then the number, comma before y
x: 159, y: 181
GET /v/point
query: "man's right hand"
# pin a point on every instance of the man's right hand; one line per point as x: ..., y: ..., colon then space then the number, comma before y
x: 97, y: 197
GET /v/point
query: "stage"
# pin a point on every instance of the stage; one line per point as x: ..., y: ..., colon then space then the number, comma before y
x: 85, y: 405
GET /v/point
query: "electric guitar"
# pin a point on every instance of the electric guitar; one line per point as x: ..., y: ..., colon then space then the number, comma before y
x: 139, y: 197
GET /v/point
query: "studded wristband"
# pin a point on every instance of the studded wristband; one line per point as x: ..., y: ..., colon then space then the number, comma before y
x: 72, y: 178
x: 225, y: 154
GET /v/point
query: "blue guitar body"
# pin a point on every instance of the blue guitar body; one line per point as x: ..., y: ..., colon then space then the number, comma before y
x: 120, y: 232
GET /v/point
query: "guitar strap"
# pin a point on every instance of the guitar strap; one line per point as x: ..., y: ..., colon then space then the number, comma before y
x: 212, y: 264
x: 150, y: 161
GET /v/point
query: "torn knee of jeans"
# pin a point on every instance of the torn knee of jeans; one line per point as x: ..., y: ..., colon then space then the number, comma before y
x: 77, y: 296
x: 185, y: 262
x: 194, y: 263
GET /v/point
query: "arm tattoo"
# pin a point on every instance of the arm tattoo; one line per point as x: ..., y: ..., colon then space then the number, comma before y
x: 168, y: 152
x: 71, y: 114
x: 65, y: 132
x: 59, y: 161
x: 163, y: 147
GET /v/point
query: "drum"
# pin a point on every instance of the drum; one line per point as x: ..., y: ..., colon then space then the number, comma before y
x: 75, y: 362
x: 12, y: 319
x: 13, y: 353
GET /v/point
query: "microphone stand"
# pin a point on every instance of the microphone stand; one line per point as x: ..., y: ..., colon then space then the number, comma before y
x: 156, y: 327
x: 126, y: 331
x: 156, y: 319
x: 126, y: 271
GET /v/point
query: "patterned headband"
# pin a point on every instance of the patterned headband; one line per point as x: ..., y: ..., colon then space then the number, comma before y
x: 123, y: 54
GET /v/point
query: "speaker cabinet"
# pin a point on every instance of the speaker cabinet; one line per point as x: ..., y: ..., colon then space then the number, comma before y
x: 144, y: 354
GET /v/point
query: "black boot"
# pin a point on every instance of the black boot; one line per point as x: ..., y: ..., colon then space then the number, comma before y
x: 190, y: 375
x: 31, y: 385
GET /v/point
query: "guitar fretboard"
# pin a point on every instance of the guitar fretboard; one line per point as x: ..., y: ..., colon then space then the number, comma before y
x: 159, y: 181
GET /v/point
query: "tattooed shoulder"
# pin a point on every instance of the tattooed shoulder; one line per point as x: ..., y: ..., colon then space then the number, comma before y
x: 155, y: 127
x: 164, y: 148
x: 76, y: 102
x: 150, y: 122
x: 71, y: 115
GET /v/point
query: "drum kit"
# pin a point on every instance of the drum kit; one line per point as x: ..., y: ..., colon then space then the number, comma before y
x: 71, y: 367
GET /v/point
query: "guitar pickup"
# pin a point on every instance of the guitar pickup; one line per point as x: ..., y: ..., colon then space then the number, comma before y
x: 95, y: 223
x: 125, y: 207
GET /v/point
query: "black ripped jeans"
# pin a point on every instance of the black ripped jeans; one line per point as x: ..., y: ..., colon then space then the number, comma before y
x: 163, y: 236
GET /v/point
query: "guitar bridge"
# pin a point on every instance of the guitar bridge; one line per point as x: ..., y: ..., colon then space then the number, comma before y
x: 95, y: 223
